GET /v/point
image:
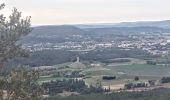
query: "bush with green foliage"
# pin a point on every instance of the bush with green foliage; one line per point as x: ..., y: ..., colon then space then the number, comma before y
x: 157, y: 94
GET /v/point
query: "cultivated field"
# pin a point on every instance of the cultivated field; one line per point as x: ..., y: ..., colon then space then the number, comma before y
x: 124, y: 72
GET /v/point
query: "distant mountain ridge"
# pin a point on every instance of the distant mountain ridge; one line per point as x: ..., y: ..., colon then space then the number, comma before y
x: 52, y: 33
x: 57, y: 29
x: 65, y: 33
x: 160, y: 24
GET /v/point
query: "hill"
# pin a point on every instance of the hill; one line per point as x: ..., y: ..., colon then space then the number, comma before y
x: 51, y: 33
x: 160, y: 24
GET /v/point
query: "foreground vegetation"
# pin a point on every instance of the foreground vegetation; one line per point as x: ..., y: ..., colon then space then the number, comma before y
x: 20, y: 84
x: 157, y: 94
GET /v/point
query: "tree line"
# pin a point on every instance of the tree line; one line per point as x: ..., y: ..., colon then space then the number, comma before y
x: 156, y: 94
x: 71, y: 85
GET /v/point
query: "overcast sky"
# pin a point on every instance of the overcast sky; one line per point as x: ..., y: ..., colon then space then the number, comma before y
x: 90, y: 11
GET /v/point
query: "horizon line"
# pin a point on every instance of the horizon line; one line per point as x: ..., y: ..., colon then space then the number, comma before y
x: 98, y: 23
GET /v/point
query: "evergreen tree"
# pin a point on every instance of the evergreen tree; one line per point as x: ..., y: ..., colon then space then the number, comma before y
x: 21, y: 84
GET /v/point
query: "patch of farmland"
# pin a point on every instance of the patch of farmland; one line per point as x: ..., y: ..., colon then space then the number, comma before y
x: 98, y: 71
x: 142, y: 70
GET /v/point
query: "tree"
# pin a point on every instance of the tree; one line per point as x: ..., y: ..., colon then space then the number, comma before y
x: 10, y: 32
x: 136, y: 78
x: 151, y: 62
x: 21, y: 84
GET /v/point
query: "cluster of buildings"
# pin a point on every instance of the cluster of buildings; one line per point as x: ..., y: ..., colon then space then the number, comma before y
x: 156, y: 44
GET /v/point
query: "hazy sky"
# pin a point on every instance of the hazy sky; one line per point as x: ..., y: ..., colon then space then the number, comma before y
x: 90, y: 11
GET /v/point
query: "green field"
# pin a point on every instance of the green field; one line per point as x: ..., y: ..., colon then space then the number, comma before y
x: 142, y: 70
x: 124, y: 72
